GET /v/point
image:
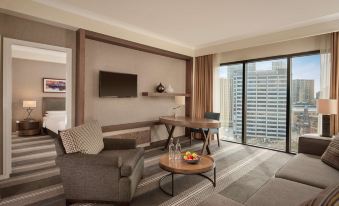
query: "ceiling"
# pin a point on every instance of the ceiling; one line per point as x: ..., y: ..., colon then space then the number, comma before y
x: 201, y: 23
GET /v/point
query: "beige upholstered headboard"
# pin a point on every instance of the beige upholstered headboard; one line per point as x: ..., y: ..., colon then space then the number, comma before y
x: 53, y: 104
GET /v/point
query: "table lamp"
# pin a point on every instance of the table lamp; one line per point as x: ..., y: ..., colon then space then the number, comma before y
x: 29, y: 105
x: 180, y: 101
x: 327, y: 107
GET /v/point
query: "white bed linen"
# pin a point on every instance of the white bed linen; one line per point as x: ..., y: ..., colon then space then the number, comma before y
x: 55, y: 121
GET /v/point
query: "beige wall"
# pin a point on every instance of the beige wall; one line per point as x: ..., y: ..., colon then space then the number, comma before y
x: 32, y: 88
x: 288, y: 47
x: 150, y: 68
x: 23, y: 29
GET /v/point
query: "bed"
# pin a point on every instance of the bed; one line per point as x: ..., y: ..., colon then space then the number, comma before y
x: 54, y: 114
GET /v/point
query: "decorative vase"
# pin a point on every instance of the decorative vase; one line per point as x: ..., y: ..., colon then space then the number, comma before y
x: 160, y: 88
x: 169, y: 89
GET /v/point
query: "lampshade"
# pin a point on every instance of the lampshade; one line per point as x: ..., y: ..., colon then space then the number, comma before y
x: 29, y: 104
x: 180, y: 100
x: 327, y: 106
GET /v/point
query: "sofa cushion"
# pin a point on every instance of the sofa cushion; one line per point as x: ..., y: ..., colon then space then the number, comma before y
x: 87, y: 138
x: 281, y: 192
x: 329, y: 196
x: 129, y: 157
x: 310, y: 170
x: 219, y: 200
x: 331, y: 154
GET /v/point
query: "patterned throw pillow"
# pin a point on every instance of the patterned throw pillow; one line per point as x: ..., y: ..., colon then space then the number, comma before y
x: 87, y: 138
x: 331, y: 155
x: 328, y: 197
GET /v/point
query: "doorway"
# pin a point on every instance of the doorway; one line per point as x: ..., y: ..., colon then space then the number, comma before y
x: 31, y: 77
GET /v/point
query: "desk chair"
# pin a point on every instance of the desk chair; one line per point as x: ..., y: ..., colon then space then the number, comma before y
x: 207, y: 115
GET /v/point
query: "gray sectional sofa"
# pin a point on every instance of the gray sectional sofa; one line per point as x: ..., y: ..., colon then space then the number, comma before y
x: 300, y: 179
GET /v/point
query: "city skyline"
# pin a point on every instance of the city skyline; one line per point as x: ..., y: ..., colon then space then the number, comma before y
x: 307, y: 69
x: 266, y: 95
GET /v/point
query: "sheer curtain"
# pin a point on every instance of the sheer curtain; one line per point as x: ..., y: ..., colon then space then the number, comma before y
x: 325, y: 70
x: 325, y: 66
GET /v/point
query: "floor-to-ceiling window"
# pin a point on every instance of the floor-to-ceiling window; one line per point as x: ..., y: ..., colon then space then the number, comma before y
x: 266, y: 103
x: 270, y: 102
x: 231, y: 85
x: 305, y: 89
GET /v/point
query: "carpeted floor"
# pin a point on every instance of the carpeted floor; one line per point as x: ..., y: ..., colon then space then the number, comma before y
x: 241, y: 171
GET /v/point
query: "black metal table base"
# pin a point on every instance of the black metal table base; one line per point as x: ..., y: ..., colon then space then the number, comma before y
x: 214, y: 182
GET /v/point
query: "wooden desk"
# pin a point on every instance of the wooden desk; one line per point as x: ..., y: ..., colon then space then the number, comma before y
x: 171, y: 122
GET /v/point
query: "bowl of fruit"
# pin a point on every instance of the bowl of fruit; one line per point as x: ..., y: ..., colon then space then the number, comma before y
x: 191, y: 157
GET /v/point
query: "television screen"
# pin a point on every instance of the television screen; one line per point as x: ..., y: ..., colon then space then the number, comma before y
x: 113, y: 84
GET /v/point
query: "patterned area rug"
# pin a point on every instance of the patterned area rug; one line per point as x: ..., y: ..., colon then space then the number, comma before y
x: 241, y: 171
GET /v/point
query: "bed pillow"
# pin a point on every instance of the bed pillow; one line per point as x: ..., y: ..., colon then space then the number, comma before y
x: 331, y: 154
x: 87, y: 138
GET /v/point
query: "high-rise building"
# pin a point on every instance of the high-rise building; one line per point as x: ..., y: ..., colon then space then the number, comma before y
x: 266, y: 94
x: 230, y: 98
x: 303, y: 91
x: 226, y: 99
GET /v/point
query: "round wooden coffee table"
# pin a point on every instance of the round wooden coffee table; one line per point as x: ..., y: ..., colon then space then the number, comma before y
x: 205, y: 164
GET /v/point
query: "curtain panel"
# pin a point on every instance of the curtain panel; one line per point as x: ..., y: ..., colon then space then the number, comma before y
x: 334, y: 89
x: 203, y: 86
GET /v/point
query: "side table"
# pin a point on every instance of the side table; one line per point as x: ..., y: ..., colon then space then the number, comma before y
x: 28, y: 128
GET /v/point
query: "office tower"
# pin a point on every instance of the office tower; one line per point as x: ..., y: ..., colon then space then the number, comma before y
x: 266, y: 92
x: 303, y: 91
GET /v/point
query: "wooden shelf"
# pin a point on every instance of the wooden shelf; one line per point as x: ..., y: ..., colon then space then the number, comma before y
x: 156, y: 94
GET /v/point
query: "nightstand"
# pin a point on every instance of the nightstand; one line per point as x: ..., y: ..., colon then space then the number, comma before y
x: 28, y: 128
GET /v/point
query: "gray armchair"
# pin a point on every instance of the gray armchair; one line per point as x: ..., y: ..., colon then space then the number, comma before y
x: 108, y: 177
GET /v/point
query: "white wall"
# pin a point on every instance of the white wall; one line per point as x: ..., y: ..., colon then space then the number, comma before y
x: 150, y: 68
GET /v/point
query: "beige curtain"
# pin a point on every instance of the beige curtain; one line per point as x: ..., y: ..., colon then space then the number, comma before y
x: 334, y: 90
x: 203, y: 85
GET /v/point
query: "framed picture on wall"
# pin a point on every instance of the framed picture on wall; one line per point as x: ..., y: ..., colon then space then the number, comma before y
x: 51, y: 85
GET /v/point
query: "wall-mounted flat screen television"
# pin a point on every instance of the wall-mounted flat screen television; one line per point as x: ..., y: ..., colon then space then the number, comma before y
x: 112, y: 84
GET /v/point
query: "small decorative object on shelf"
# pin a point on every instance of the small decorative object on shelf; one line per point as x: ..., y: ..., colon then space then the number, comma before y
x: 160, y: 88
x: 169, y: 89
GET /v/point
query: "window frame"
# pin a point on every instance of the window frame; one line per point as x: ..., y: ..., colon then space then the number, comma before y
x: 288, y: 92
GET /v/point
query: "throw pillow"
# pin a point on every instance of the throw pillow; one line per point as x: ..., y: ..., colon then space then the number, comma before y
x: 68, y: 141
x: 87, y: 138
x: 331, y: 154
x: 328, y: 197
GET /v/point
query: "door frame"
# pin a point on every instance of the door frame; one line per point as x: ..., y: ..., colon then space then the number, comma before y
x: 7, y: 94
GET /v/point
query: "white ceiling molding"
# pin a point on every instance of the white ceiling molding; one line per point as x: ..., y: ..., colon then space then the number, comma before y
x: 36, y: 54
x: 179, y: 26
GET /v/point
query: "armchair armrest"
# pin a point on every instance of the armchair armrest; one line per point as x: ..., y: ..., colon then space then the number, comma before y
x: 119, y: 144
x: 78, y: 159
x: 313, y: 145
